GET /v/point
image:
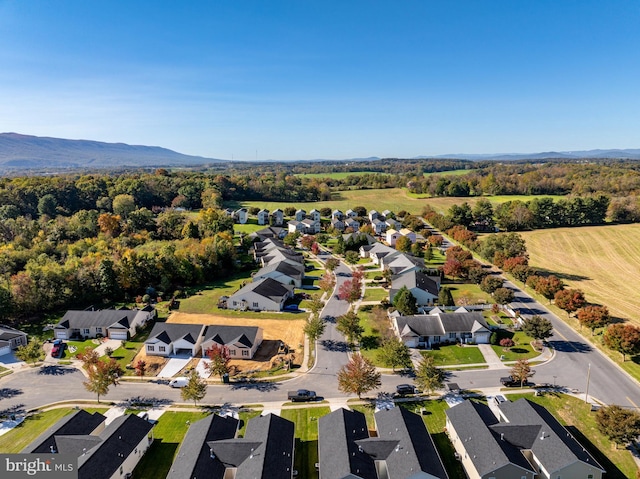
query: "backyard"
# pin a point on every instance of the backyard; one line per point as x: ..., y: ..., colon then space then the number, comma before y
x: 306, y: 453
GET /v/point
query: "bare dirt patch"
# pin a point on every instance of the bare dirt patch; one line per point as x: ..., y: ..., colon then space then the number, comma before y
x: 154, y: 363
x: 289, y: 331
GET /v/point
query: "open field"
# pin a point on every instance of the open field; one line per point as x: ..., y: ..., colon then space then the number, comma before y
x: 274, y: 330
x: 602, y: 261
x: 442, y: 204
x: 338, y: 175
x: 449, y: 173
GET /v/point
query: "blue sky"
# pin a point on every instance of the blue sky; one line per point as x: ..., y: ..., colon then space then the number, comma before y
x: 324, y: 79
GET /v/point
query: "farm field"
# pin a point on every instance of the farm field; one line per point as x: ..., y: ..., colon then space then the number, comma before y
x: 602, y: 261
x: 442, y: 204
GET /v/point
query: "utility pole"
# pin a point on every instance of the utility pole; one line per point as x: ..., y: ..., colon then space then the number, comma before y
x: 586, y: 393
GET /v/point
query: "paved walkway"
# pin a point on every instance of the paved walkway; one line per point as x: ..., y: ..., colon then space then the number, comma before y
x: 109, y: 343
x: 490, y: 356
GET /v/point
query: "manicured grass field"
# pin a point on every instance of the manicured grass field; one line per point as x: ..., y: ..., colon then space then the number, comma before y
x: 442, y: 204
x: 522, y: 349
x: 22, y: 435
x: 578, y: 418
x: 168, y: 434
x: 375, y: 294
x: 306, y: 454
x: 464, y: 294
x: 452, y: 355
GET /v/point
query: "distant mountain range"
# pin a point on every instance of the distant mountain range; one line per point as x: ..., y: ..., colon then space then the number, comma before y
x: 35, y: 152
x: 22, y: 152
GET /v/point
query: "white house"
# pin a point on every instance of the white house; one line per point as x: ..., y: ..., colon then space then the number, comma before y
x: 407, y: 233
x: 285, y: 272
x: 241, y: 215
x: 311, y: 226
x: 10, y: 339
x: 263, y: 217
x: 425, y: 330
x: 423, y: 287
x: 111, y: 323
x: 314, y: 215
x: 168, y: 339
x: 300, y: 215
x: 242, y: 342
x: 264, y: 295
x: 392, y: 236
x: 295, y: 226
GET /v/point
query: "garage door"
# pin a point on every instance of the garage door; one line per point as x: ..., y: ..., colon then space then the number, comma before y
x: 61, y: 335
x: 118, y: 335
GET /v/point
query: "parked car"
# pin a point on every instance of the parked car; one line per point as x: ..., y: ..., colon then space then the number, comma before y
x: 57, y: 349
x: 404, y: 389
x: 301, y: 395
x: 509, y: 381
x: 499, y: 399
x: 179, y: 382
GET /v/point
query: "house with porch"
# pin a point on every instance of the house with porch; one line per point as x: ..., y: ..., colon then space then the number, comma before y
x: 109, y: 323
x: 263, y: 295
x: 426, y: 330
x: 169, y: 339
x: 242, y: 342
x: 10, y: 339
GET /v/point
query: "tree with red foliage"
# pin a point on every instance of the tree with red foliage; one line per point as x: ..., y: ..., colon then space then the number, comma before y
x: 307, y: 241
x: 593, y: 317
x: 510, y: 263
x: 548, y: 286
x: 569, y: 300
x: 350, y: 291
x: 453, y: 268
x: 624, y: 338
x: 506, y: 343
x: 315, y: 248
x: 219, y: 358
x: 141, y: 368
x: 458, y: 253
x: 436, y: 240
x: 358, y: 376
x: 327, y: 282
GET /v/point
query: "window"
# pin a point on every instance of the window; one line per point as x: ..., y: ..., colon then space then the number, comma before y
x: 245, y: 352
x: 162, y: 349
x: 232, y: 352
x: 452, y: 335
x: 235, y: 303
x: 99, y: 330
x: 120, y: 470
x: 255, y: 305
x: 436, y: 339
x: 151, y: 348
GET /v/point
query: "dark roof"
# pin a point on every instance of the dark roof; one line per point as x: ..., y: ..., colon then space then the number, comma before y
x: 415, y: 279
x: 245, y: 335
x: 118, y: 440
x: 91, y: 319
x: 170, y: 332
x: 485, y: 449
x: 7, y: 332
x: 283, y: 267
x: 420, y: 324
x: 461, y: 322
x: 553, y: 445
x: 414, y: 450
x: 194, y: 456
x: 270, y: 288
x: 338, y: 451
x: 77, y: 423
x: 266, y: 451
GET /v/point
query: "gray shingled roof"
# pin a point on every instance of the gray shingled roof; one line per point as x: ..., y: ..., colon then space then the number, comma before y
x: 231, y: 334
x: 194, y: 456
x: 170, y: 332
x: 415, y: 279
x: 462, y: 322
x: 558, y: 449
x: 282, y: 267
x: 420, y: 324
x: 77, y: 423
x: 270, y: 288
x: 338, y: 452
x: 485, y: 449
x: 415, y: 450
x: 7, y: 333
x: 91, y: 319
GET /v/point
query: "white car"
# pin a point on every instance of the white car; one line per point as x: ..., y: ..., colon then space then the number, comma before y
x: 179, y: 382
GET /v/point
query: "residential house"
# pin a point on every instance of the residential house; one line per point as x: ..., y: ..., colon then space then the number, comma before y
x: 282, y: 271
x: 378, y: 226
x: 386, y: 214
x: 314, y: 215
x: 524, y: 440
x: 228, y: 212
x: 391, y: 236
x: 337, y: 215
x: 276, y: 232
x: 351, y: 214
x: 281, y: 254
x: 407, y: 233
x: 265, y: 452
x: 242, y: 342
x: 338, y: 224
x: 295, y: 226
x: 194, y: 458
x: 425, y: 330
x: 111, y: 323
x: 241, y: 216
x: 264, y: 295
x: 423, y: 287
x: 373, y: 215
x: 10, y: 339
x: 377, y: 252
x: 402, y: 263
x: 263, y: 217
x: 391, y: 223
x: 277, y: 217
x: 311, y: 226
x: 168, y: 339
x: 402, y: 449
x: 105, y: 453
x: 300, y: 215
x: 351, y: 223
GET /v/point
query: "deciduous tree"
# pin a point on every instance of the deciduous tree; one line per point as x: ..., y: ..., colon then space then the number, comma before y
x: 327, y: 282
x: 593, y: 317
x: 490, y: 283
x: 218, y: 360
x: 196, y: 388
x: 349, y: 291
x: 101, y: 375
x: 141, y: 368
x: 506, y: 343
x: 393, y: 352
x: 31, y: 353
x: 314, y: 328
x: 428, y: 376
x: 521, y: 371
x: 569, y: 300
x: 620, y: 425
x: 624, y: 338
x: 403, y: 244
x: 358, y: 376
x: 445, y: 298
x: 537, y: 327
x: 548, y: 286
x: 503, y: 295
x: 349, y: 325
x: 331, y: 264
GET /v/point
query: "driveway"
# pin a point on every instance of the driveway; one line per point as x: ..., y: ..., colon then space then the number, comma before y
x: 10, y: 361
x: 174, y: 366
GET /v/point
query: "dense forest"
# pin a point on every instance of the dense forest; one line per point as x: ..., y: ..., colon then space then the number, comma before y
x: 77, y: 239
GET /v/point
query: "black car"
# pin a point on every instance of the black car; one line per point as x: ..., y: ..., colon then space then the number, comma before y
x: 404, y: 389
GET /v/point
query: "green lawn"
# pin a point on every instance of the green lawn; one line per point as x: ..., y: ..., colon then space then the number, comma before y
x: 125, y: 356
x: 464, y: 294
x: 453, y: 354
x: 21, y: 436
x: 580, y: 421
x: 370, y: 338
x: 437, y: 259
x: 168, y: 434
x: 249, y: 227
x: 522, y: 349
x: 493, y: 319
x: 372, y: 274
x: 80, y: 347
x: 306, y: 421
x: 375, y: 294
x: 449, y: 173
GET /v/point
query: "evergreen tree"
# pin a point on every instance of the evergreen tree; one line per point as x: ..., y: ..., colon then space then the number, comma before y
x: 405, y: 302
x: 445, y: 298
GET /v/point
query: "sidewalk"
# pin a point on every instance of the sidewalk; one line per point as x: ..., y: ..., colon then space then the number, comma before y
x: 490, y: 356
